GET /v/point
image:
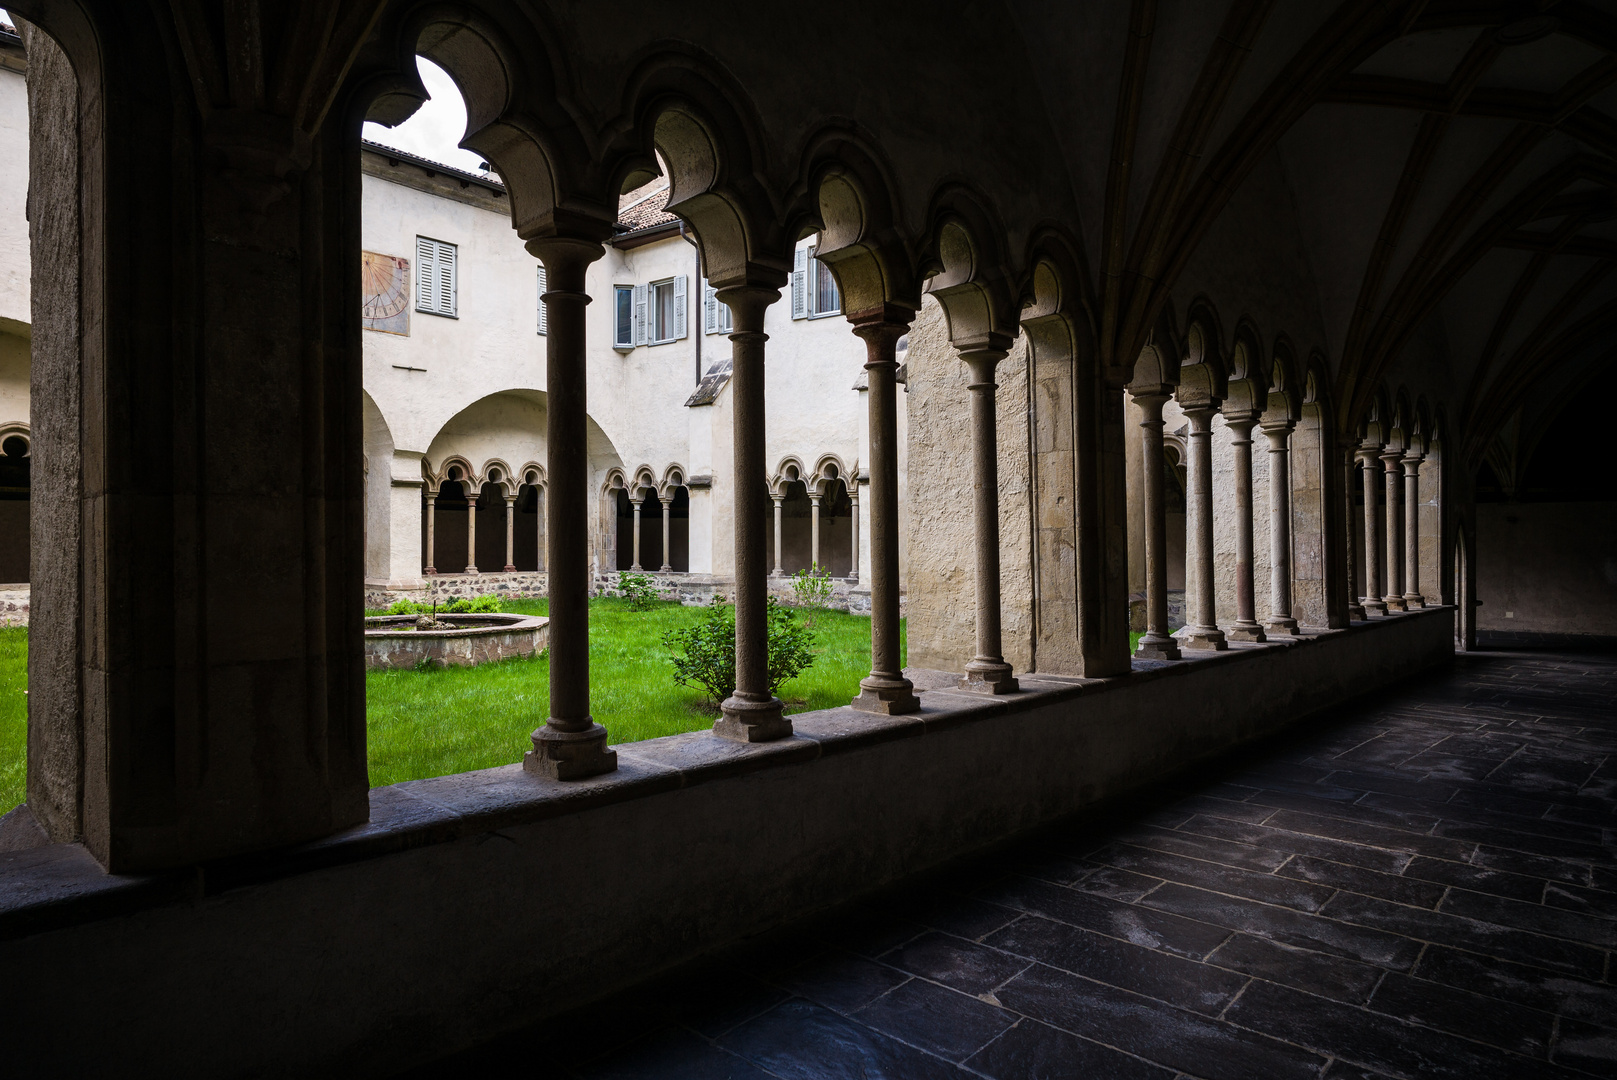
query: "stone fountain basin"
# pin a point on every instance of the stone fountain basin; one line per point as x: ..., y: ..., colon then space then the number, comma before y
x: 392, y: 641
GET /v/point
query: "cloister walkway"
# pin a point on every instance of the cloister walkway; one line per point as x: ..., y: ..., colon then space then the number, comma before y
x: 1422, y: 884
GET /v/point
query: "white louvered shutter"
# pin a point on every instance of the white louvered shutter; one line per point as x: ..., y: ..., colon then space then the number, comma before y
x: 811, y: 283
x: 426, y: 274
x: 681, y: 304
x: 542, y: 324
x: 800, y: 284
x: 448, y: 293
x: 640, y: 327
x: 710, y: 308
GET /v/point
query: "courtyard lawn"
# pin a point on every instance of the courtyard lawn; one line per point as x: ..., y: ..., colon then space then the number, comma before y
x: 13, y: 715
x: 434, y: 722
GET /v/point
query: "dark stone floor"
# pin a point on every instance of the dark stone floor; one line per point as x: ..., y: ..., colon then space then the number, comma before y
x: 1421, y: 885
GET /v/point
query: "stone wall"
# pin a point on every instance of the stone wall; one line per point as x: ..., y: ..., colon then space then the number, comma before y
x: 475, y: 904
x: 941, y: 531
x: 1547, y: 567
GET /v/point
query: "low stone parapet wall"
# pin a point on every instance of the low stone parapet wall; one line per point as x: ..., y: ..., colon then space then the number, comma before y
x: 524, y: 897
x: 689, y: 589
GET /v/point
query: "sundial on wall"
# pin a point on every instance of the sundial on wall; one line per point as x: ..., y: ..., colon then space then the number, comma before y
x: 385, y: 288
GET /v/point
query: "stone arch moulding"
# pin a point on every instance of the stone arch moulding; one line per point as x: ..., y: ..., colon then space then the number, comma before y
x: 1285, y: 400
x: 789, y: 471
x: 533, y: 474
x: 454, y: 468
x: 645, y: 482
x: 828, y: 472
x: 673, y: 479
x: 18, y: 429
x: 499, y: 474
x: 849, y: 194
x: 969, y: 272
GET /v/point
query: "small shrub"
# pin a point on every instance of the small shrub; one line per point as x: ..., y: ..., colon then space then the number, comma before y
x: 406, y: 607
x: 460, y: 605
x: 704, y: 655
x: 811, y: 588
x: 638, y: 589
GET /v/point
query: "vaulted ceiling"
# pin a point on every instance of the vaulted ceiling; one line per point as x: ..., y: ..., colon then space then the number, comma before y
x: 1449, y: 168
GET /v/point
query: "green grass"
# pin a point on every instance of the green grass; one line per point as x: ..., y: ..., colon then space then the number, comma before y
x: 13, y: 715
x: 439, y: 721
x: 436, y: 722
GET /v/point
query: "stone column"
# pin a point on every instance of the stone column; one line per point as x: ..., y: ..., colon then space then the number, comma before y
x: 510, y: 533
x: 1204, y: 632
x: 1280, y: 620
x: 1355, y: 574
x: 752, y: 713
x: 1246, y: 626
x: 1394, y: 461
x: 634, y: 564
x: 432, y: 524
x: 853, y: 565
x: 668, y: 559
x: 539, y: 504
x: 885, y: 689
x: 777, y: 572
x: 1370, y: 467
x: 471, y: 530
x: 1157, y: 644
x: 987, y: 672
x: 814, y: 530
x: 1412, y: 596
x: 571, y: 745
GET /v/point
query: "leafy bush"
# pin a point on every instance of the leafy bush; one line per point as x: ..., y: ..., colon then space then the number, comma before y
x: 406, y: 607
x: 638, y: 589
x: 812, y: 587
x: 704, y: 655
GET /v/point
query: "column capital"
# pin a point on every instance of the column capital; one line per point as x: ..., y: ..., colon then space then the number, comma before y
x: 1151, y: 399
x: 1200, y: 417
x: 566, y: 258
x: 1412, y: 463
x: 747, y: 304
x: 1393, y: 457
x: 1368, y: 453
x: 892, y: 320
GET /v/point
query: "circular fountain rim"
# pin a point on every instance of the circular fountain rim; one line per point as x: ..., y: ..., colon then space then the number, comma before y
x: 403, y: 626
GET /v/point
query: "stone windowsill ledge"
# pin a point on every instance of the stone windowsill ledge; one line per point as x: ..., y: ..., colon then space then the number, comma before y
x: 50, y: 886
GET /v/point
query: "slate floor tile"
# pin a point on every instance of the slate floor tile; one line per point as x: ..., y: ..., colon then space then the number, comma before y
x: 1151, y: 1030
x: 1199, y: 843
x: 963, y: 965
x: 1470, y: 934
x: 1587, y: 1048
x: 798, y: 1040
x: 1531, y: 843
x: 1460, y: 1012
x: 1372, y: 836
x: 1357, y: 942
x: 1596, y: 902
x: 962, y: 916
x: 1035, y: 1051
x: 1328, y: 976
x: 1169, y: 978
x: 1375, y: 1042
x: 1139, y: 925
x: 1475, y: 878
x: 1400, y: 889
x: 948, y: 1023
x: 841, y: 981
x: 1279, y: 843
x: 1538, y: 918
x: 1270, y: 889
x: 1116, y: 884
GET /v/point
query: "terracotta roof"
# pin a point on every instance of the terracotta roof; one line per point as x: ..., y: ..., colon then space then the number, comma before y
x: 490, y: 178
x: 637, y: 211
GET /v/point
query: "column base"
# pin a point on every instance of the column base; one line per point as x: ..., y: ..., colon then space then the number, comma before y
x: 1414, y: 601
x: 889, y: 695
x: 751, y: 721
x: 429, y: 570
x: 665, y: 569
x: 471, y: 570
x: 1246, y: 632
x: 1373, y: 608
x: 509, y: 569
x: 1356, y: 613
x: 1394, y: 603
x: 1204, y: 637
x: 1283, y: 627
x: 988, y: 677
x: 570, y: 755
x: 636, y: 569
x: 1157, y: 647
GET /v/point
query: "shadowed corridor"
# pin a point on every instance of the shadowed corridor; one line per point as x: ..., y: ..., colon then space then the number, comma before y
x: 1421, y: 884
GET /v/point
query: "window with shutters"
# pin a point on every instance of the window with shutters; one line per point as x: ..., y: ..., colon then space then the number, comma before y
x: 435, y: 273
x: 665, y: 312
x: 623, y: 316
x: 715, y: 312
x: 541, y: 299
x: 814, y: 289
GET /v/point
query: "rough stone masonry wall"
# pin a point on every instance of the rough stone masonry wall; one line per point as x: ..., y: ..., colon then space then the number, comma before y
x: 941, y: 583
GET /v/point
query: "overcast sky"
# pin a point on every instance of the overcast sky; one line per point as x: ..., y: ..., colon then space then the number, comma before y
x: 435, y: 130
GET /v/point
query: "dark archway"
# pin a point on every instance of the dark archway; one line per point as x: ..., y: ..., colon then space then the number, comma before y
x: 15, y: 490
